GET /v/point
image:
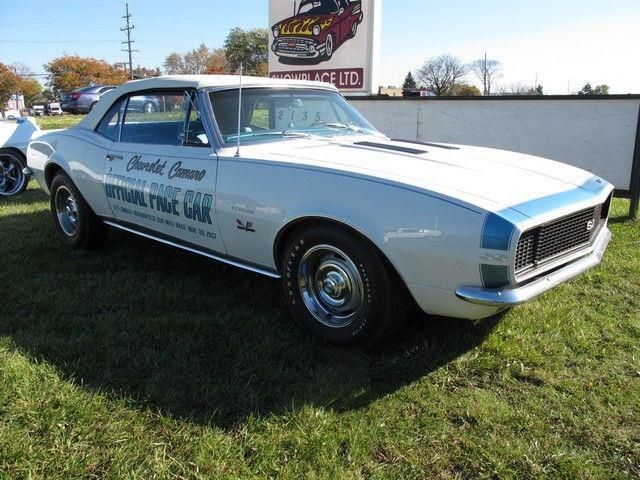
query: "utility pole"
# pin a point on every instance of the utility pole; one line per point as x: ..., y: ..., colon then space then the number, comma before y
x: 484, y: 71
x: 128, y: 29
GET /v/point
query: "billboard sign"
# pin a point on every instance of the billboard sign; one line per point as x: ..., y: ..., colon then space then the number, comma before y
x: 334, y: 41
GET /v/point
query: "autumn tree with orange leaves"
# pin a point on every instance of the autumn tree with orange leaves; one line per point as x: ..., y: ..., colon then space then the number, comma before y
x: 70, y: 72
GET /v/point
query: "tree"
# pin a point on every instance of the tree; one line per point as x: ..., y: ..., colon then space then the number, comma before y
x: 440, y: 74
x: 486, y: 70
x: 174, y: 64
x: 464, y: 90
x: 409, y: 82
x: 9, y: 83
x: 197, y: 61
x: 217, y: 62
x: 249, y: 47
x: 31, y: 89
x: 72, y: 71
x: 597, y: 90
x: 520, y: 89
x: 144, y: 72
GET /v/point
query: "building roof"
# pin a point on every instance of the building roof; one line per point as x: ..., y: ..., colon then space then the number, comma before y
x: 188, y: 81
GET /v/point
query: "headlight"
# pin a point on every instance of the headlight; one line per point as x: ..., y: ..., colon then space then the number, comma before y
x: 316, y: 30
x: 276, y: 32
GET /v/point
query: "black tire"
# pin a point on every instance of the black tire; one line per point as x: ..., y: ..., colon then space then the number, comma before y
x: 12, y: 179
x: 383, y: 306
x: 330, y: 46
x: 88, y: 230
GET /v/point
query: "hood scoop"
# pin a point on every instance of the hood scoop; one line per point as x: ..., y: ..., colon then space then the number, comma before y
x: 395, y: 148
x: 429, y: 144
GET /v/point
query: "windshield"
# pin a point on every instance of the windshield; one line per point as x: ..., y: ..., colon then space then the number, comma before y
x: 270, y: 113
x: 318, y: 7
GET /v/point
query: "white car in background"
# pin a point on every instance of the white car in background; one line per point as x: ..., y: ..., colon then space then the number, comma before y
x: 301, y: 187
x: 14, y: 138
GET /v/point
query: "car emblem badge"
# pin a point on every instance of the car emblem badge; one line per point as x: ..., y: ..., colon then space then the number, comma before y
x: 590, y: 225
x: 247, y: 227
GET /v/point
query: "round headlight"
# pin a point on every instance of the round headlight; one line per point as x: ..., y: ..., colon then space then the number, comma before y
x: 276, y: 32
x: 316, y: 30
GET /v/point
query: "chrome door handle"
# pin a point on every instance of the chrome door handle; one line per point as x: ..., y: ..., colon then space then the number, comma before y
x: 111, y: 157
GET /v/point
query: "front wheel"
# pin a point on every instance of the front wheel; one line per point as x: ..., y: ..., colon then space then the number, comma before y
x: 339, y: 288
x: 328, y: 46
x: 13, y: 181
x: 73, y: 219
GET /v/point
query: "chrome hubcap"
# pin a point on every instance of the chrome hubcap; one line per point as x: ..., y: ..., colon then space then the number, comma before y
x: 67, y: 211
x: 331, y: 286
x: 11, y: 177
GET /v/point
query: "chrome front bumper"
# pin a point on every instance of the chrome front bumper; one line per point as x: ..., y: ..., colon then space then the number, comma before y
x: 509, y: 297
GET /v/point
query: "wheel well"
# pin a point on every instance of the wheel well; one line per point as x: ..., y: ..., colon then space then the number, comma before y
x: 50, y: 172
x: 289, y: 229
x: 15, y: 151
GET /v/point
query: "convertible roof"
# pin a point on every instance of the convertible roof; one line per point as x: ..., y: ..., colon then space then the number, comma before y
x: 187, y: 81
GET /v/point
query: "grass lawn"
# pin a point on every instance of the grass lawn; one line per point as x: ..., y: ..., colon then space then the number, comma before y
x: 58, y: 121
x: 141, y: 361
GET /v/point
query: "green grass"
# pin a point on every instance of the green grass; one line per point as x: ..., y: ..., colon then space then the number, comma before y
x: 59, y: 121
x: 141, y: 361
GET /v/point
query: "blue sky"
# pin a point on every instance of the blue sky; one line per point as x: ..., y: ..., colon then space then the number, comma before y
x: 563, y: 43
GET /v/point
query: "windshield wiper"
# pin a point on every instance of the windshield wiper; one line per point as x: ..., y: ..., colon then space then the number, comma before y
x: 284, y: 133
x: 341, y: 126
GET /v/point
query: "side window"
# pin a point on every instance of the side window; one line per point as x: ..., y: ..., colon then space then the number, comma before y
x: 154, y: 118
x: 109, y: 126
x: 194, y: 132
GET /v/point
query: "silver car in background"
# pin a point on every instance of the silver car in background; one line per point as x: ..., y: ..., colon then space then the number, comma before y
x: 84, y: 99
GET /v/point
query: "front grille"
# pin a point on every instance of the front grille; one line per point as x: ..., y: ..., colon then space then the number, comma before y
x: 556, y: 238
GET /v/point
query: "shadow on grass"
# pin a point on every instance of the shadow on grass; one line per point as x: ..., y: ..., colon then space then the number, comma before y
x: 197, y: 340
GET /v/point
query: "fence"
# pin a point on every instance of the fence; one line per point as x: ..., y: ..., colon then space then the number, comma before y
x: 600, y: 134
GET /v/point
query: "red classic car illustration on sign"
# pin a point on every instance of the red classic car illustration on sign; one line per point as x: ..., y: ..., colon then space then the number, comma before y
x: 316, y: 30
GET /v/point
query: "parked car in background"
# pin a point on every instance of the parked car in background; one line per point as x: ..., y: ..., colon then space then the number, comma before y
x: 14, y: 138
x: 148, y: 104
x: 53, y: 108
x: 83, y: 100
x: 301, y: 187
x: 38, y: 110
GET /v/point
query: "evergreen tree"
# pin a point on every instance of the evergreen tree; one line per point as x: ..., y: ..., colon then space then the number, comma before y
x: 409, y: 82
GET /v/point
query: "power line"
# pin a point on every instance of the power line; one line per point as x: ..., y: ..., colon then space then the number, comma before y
x: 129, y: 41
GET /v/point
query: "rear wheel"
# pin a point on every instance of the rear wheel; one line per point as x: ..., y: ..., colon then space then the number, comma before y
x: 13, y: 181
x: 339, y: 288
x: 74, y: 220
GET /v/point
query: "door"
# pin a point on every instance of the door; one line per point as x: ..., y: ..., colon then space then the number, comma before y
x: 160, y: 177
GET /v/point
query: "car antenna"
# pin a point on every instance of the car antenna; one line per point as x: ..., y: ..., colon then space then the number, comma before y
x: 239, y: 111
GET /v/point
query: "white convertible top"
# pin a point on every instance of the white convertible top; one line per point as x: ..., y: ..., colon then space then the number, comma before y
x: 188, y: 81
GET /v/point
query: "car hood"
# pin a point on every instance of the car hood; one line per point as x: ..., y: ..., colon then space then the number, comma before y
x: 303, y: 24
x: 491, y: 179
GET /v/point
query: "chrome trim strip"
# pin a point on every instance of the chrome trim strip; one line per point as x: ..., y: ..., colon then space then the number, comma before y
x: 193, y: 250
x: 26, y: 171
x: 509, y: 297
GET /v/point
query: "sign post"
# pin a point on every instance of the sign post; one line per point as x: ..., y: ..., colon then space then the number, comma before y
x: 333, y: 41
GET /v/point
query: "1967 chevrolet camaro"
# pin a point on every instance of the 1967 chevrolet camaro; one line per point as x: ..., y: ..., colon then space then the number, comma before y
x: 301, y: 187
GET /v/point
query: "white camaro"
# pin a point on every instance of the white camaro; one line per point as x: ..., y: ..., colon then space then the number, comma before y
x: 301, y: 187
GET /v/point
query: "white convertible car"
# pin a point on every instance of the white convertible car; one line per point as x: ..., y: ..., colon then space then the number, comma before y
x: 287, y: 179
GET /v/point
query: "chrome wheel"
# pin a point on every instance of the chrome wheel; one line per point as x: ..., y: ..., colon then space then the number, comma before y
x: 12, y: 179
x: 67, y: 211
x: 331, y: 286
x: 329, y: 46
